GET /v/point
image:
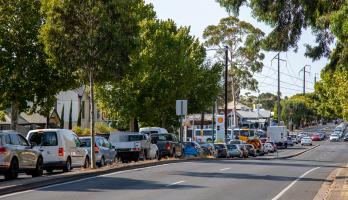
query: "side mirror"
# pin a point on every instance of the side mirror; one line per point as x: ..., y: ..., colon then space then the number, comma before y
x: 33, y: 144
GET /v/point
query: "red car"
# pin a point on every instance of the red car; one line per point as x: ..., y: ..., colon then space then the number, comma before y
x: 315, y: 137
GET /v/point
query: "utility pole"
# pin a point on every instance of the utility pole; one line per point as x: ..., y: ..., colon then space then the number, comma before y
x: 304, y: 78
x: 315, y: 78
x: 226, y: 84
x: 278, y: 92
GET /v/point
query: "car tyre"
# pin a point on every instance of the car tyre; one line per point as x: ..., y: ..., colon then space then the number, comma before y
x: 67, y: 166
x: 102, y: 162
x: 12, y: 172
x: 39, y: 168
x: 87, y: 163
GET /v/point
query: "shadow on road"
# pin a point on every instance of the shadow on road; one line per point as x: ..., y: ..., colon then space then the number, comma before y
x: 101, y: 184
x: 245, y: 176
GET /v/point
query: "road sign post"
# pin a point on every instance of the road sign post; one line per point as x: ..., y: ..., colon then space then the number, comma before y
x: 181, y: 110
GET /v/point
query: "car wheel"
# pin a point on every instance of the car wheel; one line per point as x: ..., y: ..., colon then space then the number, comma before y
x: 157, y: 156
x: 12, y: 172
x: 102, y: 162
x: 67, y: 166
x: 87, y: 163
x: 39, y: 168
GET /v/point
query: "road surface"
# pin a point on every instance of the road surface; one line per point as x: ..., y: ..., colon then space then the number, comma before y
x: 298, y: 178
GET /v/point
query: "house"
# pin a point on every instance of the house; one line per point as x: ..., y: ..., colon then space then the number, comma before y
x: 78, y: 101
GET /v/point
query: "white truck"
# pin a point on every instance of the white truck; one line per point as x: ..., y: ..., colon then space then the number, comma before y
x: 278, y: 135
x: 132, y: 146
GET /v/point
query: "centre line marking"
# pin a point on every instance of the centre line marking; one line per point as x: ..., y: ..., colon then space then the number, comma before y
x: 224, y: 169
x: 293, y: 183
x: 176, y: 183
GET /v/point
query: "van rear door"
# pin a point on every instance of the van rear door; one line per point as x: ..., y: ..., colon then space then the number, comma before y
x: 47, y: 143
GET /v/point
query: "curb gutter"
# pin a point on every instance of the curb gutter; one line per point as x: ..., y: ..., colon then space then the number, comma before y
x: 288, y: 156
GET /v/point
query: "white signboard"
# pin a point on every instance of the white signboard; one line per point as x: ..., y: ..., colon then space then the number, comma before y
x: 220, y: 127
x: 181, y: 107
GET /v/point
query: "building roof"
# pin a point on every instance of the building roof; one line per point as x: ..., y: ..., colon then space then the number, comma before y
x: 25, y: 118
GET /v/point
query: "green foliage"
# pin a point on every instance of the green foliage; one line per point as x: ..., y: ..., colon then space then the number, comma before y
x: 103, y: 128
x: 267, y: 100
x: 70, y: 116
x: 170, y: 67
x: 2, y: 116
x: 244, y: 43
x: 24, y: 75
x: 78, y: 130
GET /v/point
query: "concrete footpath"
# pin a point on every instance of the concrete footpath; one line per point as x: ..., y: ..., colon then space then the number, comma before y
x: 339, y: 188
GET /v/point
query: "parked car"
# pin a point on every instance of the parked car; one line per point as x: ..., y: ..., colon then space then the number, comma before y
x: 290, y: 141
x: 269, y: 147
x: 295, y: 139
x: 273, y: 145
x: 133, y: 146
x: 167, y: 144
x: 17, y: 155
x: 222, y: 151
x: 322, y: 135
x: 345, y: 138
x: 306, y: 141
x: 265, y: 150
x: 234, y: 151
x: 334, y: 137
x: 244, y: 150
x: 192, y: 149
x: 209, y: 149
x: 251, y: 150
x: 315, y: 137
x: 152, y: 130
x: 60, y: 148
x: 237, y: 142
x: 105, y: 153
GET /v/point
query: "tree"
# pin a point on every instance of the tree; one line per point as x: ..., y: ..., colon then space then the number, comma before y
x: 244, y: 46
x: 27, y: 83
x: 172, y: 68
x: 92, y: 40
x: 267, y: 100
x: 62, y: 118
x: 70, y: 116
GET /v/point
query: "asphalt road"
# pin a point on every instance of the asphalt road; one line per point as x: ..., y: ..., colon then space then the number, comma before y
x: 209, y: 179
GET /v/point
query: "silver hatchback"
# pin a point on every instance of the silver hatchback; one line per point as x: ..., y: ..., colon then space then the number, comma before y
x: 17, y: 155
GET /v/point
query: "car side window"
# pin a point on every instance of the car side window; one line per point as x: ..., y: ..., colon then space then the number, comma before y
x: 14, y: 139
x: 7, y: 139
x: 22, y: 140
x: 77, y: 141
x: 107, y: 144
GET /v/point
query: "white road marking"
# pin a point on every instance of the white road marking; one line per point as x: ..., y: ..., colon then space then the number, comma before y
x: 293, y: 183
x: 224, y: 169
x: 84, y: 179
x: 176, y: 183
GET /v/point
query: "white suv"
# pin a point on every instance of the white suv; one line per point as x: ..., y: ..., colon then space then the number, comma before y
x: 60, y: 148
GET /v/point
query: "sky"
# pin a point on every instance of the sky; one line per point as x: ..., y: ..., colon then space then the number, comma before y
x: 198, y: 14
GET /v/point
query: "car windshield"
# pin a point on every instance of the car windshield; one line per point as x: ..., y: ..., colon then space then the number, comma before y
x: 87, y: 141
x: 132, y: 138
x: 220, y: 146
x: 164, y: 137
x: 231, y: 146
x: 44, y: 138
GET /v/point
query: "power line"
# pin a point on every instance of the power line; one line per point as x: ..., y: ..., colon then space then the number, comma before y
x: 276, y: 79
x: 287, y: 74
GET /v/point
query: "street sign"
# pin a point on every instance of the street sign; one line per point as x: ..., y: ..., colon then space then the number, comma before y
x: 220, y: 127
x: 181, y: 107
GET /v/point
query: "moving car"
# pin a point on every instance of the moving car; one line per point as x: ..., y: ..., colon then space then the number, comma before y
x: 222, y: 151
x: 234, y: 150
x: 334, y: 137
x: 60, y: 148
x: 104, y: 151
x: 167, y: 144
x: 345, y: 138
x: 306, y: 141
x: 17, y: 155
x: 251, y: 150
x: 290, y: 141
x: 315, y: 137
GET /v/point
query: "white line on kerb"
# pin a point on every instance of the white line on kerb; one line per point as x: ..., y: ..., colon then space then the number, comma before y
x: 224, y: 169
x: 293, y: 183
x: 176, y: 183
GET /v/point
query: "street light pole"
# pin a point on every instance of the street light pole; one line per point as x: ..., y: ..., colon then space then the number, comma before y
x: 226, y: 84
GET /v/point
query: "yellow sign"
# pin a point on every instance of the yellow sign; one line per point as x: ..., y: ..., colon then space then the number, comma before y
x: 220, y: 120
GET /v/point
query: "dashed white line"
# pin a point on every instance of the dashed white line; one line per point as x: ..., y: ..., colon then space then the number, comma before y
x: 293, y: 183
x: 176, y: 183
x: 224, y: 169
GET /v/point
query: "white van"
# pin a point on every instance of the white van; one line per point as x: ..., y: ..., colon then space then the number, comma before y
x: 60, y: 148
x: 152, y: 130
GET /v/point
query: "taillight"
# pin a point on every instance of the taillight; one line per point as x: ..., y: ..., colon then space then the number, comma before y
x: 96, y: 149
x: 135, y: 149
x: 167, y: 146
x: 3, y: 150
x: 60, y: 151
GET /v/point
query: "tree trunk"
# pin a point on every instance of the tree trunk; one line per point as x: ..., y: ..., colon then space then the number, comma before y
x: 48, y: 121
x: 202, y: 121
x: 91, y: 106
x: 131, y: 125
x: 163, y: 121
x: 14, y: 115
x: 136, y: 125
